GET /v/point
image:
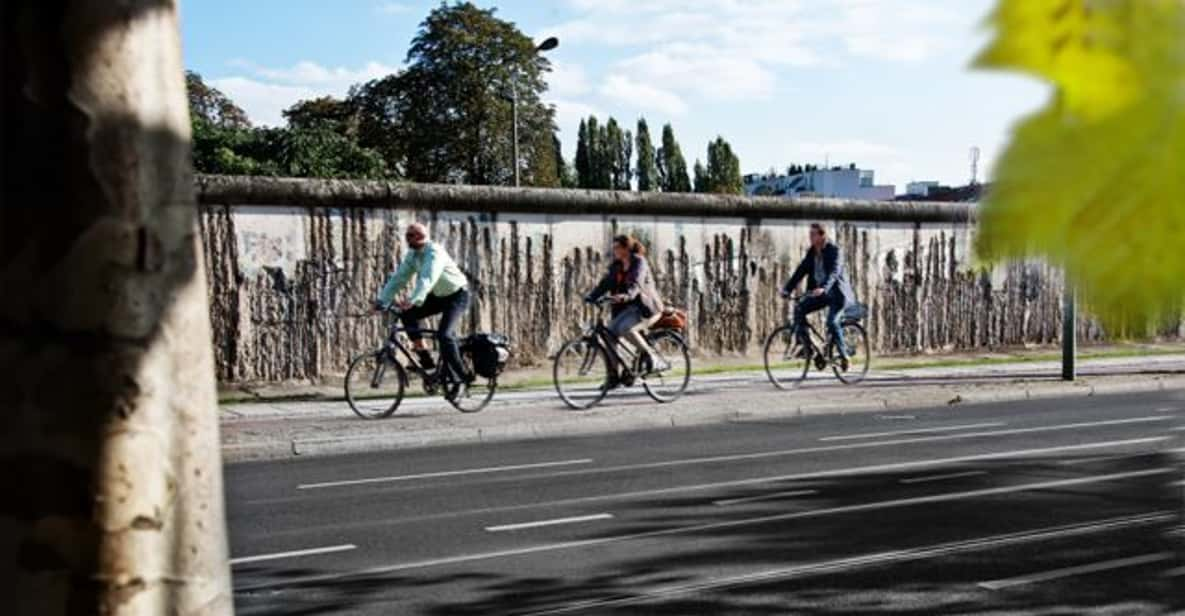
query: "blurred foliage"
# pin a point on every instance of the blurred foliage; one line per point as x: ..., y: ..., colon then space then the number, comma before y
x: 1095, y: 181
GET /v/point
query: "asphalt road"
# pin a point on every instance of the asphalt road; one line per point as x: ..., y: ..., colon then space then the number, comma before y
x: 1045, y: 507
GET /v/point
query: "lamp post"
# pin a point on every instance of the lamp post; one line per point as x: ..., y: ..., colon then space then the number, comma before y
x: 547, y: 45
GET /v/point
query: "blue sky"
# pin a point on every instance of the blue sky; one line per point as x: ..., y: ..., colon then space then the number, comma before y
x: 882, y: 83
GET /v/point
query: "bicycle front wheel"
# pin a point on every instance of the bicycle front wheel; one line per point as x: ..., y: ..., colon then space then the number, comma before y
x: 374, y: 385
x: 859, y: 358
x: 668, y: 385
x: 474, y: 396
x: 783, y: 366
x: 581, y: 373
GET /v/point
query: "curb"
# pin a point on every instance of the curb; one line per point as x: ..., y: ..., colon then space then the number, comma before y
x: 574, y: 425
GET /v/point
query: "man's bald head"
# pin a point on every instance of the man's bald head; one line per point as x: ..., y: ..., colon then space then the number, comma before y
x: 416, y: 235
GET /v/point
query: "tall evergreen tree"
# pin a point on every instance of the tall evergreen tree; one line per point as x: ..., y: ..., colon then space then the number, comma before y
x: 583, y: 156
x: 598, y: 155
x: 724, y: 169
x: 647, y: 162
x: 619, y: 147
x: 563, y: 171
x: 700, y: 180
x: 672, y: 167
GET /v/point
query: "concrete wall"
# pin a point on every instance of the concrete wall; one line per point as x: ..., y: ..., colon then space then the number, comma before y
x: 293, y: 266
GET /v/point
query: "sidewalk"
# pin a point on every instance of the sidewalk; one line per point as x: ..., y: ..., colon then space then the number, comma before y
x: 280, y: 429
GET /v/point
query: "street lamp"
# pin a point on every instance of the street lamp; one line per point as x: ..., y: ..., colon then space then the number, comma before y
x: 547, y: 45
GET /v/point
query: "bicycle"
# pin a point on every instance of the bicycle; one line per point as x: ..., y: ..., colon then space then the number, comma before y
x: 787, y: 363
x: 376, y: 380
x: 582, y: 367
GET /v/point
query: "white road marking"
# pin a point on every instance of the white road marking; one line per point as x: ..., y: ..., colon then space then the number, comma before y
x: 470, y: 471
x: 737, y: 457
x: 881, y: 558
x: 1108, y: 458
x: 752, y: 499
x: 929, y: 478
x: 293, y: 554
x: 877, y: 468
x: 826, y: 448
x: 852, y: 437
x: 1178, y: 572
x: 553, y: 522
x: 814, y: 513
x: 1167, y: 409
x: 1057, y: 574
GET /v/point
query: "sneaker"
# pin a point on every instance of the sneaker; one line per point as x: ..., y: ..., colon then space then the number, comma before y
x: 426, y: 361
x: 843, y: 364
x: 453, y: 391
x: 659, y: 365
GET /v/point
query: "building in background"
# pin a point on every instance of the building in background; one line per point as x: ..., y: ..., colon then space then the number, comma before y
x: 834, y: 183
x: 920, y: 189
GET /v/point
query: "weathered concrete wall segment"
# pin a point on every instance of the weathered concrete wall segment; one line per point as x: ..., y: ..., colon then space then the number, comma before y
x: 293, y: 265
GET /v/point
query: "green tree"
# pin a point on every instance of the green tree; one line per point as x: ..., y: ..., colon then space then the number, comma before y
x: 450, y: 112
x: 208, y: 104
x: 702, y: 183
x: 647, y: 162
x: 724, y: 169
x: 672, y: 167
x: 566, y: 176
x: 583, y: 161
x: 620, y: 146
x: 338, y: 115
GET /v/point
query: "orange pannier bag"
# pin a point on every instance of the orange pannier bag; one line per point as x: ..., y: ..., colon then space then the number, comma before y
x: 672, y: 318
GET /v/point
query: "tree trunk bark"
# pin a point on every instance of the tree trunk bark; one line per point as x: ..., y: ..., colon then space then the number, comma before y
x: 109, y: 453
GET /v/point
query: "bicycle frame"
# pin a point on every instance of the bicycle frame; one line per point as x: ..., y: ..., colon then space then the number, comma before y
x: 818, y: 343
x: 394, y: 342
x: 599, y: 334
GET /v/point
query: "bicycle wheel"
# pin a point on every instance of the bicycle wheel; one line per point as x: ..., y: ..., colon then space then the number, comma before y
x: 476, y: 395
x: 856, y: 348
x: 374, y: 385
x: 581, y: 373
x: 668, y: 385
x: 783, y: 366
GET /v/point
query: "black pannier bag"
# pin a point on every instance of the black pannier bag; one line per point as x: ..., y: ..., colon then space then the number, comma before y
x: 489, y: 353
x: 855, y: 312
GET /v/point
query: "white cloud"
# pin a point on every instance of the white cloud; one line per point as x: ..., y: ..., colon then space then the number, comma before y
x: 393, y: 8
x: 566, y: 80
x: 568, y: 114
x: 730, y: 49
x: 263, y: 102
x: 640, y: 95
x: 699, y: 69
x: 265, y: 92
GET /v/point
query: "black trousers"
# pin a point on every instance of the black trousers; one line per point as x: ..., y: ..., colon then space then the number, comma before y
x: 450, y: 309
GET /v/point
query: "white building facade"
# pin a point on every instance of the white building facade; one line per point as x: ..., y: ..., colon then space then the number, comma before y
x: 836, y: 183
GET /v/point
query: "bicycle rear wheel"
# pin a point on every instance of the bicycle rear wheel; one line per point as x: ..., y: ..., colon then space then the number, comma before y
x: 474, y: 396
x: 668, y: 385
x: 581, y: 373
x: 856, y: 349
x: 783, y: 366
x: 374, y: 385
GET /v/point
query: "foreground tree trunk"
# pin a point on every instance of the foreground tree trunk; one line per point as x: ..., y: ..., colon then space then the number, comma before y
x: 109, y: 456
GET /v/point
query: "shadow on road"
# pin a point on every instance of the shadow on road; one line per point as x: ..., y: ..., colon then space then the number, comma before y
x: 805, y: 545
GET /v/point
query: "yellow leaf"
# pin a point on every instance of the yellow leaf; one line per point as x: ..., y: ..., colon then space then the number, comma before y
x: 1096, y: 181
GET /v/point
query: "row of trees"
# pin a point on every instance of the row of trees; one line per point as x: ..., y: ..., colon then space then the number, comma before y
x: 603, y: 161
x: 447, y: 118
